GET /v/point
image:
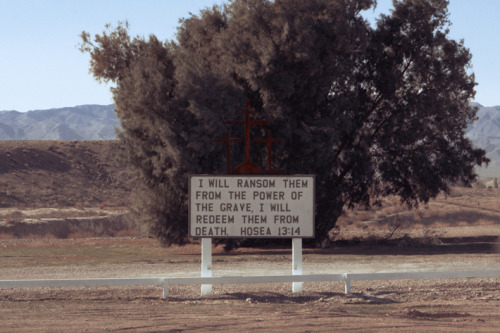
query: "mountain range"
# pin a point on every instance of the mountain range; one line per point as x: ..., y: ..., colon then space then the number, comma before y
x: 84, y: 122
x: 98, y: 122
x: 485, y: 133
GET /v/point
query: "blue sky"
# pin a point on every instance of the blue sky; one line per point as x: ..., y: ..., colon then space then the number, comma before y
x: 41, y: 66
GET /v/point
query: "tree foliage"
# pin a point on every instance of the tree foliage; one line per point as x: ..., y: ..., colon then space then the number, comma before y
x: 371, y: 111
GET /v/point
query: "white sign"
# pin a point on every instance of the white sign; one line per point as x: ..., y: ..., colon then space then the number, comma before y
x: 251, y: 206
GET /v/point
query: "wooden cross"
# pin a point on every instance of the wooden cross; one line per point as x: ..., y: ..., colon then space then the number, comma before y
x: 270, y: 140
x: 228, y: 141
x: 247, y: 123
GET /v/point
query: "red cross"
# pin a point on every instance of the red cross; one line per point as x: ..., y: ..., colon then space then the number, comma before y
x: 270, y: 140
x: 228, y: 141
x: 247, y: 123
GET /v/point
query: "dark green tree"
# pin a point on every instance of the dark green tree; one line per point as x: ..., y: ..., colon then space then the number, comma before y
x: 371, y: 112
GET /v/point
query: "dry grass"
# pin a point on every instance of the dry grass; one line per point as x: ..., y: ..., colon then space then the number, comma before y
x: 18, y: 214
x: 463, y: 207
x: 48, y: 223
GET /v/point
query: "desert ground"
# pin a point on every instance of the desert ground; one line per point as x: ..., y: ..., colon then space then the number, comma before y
x: 64, y: 214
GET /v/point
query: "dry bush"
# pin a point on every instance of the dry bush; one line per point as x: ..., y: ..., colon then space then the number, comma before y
x: 4, y: 235
x: 12, y: 215
x: 392, y: 221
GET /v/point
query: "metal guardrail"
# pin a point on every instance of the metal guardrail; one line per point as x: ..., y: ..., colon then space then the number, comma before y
x: 347, y: 278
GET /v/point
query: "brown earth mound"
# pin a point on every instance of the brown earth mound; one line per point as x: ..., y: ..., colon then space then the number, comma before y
x: 61, y: 189
x: 35, y: 174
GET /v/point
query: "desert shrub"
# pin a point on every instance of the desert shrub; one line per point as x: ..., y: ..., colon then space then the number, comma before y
x: 371, y: 111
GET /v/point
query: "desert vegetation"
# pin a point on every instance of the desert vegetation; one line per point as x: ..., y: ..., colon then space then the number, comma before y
x: 443, y: 217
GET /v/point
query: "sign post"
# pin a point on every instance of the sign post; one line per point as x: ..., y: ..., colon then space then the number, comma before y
x: 206, y: 264
x: 297, y: 263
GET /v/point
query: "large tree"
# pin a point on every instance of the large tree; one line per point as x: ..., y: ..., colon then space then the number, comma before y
x: 370, y: 111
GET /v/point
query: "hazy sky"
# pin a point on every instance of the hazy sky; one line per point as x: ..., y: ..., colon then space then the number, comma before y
x: 41, y: 66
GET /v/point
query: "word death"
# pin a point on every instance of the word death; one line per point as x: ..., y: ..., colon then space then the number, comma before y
x: 210, y: 231
x: 251, y: 206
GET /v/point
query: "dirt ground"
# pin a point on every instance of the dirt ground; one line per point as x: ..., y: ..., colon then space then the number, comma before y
x: 458, y: 305
x: 57, y: 197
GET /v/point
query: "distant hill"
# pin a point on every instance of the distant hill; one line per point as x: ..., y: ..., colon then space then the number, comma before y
x: 485, y: 133
x: 84, y: 122
x: 98, y: 122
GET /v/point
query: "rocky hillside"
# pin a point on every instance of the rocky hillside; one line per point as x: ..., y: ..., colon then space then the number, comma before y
x: 84, y: 122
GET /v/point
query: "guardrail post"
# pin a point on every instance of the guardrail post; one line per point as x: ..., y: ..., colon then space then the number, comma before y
x: 206, y: 264
x: 165, y: 288
x: 347, y: 281
x: 297, y: 263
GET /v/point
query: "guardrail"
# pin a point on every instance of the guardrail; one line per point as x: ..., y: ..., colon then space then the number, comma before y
x: 347, y: 278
